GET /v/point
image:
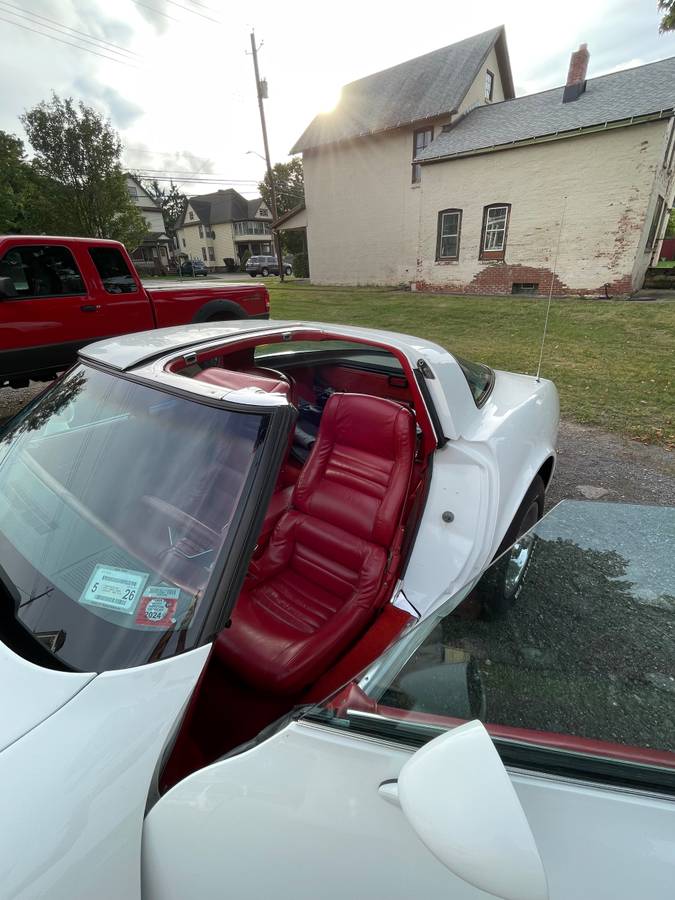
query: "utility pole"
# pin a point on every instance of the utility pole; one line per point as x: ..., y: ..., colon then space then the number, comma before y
x: 259, y: 91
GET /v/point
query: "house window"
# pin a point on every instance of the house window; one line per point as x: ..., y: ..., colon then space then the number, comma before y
x: 489, y: 85
x: 191, y: 215
x: 204, y: 253
x: 201, y: 232
x: 132, y: 190
x: 495, y: 227
x: 447, y: 240
x: 421, y: 139
x: 656, y: 221
x: 212, y: 256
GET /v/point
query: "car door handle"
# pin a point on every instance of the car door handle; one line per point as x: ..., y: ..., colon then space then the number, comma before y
x: 388, y: 790
x: 89, y: 307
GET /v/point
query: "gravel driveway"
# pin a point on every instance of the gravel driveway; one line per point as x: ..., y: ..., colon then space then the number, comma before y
x: 592, y: 464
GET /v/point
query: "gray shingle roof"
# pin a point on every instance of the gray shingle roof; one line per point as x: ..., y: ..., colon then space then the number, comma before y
x: 428, y: 86
x: 222, y: 206
x: 609, y: 98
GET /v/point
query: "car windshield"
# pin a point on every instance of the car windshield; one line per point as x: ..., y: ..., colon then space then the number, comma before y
x: 581, y: 662
x: 116, y: 502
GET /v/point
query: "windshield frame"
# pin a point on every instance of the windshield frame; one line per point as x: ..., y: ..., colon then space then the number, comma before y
x: 231, y: 563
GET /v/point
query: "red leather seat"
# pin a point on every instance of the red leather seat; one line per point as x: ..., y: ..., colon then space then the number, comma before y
x: 264, y: 379
x: 322, y: 577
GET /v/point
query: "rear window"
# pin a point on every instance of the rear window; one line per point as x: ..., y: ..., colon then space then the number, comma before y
x: 479, y: 377
x: 114, y: 272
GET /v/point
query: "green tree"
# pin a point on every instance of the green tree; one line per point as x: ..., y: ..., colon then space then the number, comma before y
x: 78, y: 159
x: 289, y: 184
x: 667, y: 7
x: 171, y: 200
x: 670, y: 230
x: 17, y: 187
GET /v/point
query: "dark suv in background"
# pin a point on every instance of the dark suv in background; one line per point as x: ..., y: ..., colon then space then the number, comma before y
x: 266, y: 265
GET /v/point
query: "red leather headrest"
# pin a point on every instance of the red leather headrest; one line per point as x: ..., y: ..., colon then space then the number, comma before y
x: 358, y: 473
x: 234, y: 381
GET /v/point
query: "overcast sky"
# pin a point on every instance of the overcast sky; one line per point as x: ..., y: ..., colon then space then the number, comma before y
x: 183, y: 96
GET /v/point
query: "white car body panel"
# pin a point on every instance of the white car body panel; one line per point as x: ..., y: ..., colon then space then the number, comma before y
x: 300, y: 816
x: 30, y: 694
x: 74, y: 789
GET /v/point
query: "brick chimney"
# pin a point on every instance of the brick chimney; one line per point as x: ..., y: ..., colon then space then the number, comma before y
x: 576, y: 76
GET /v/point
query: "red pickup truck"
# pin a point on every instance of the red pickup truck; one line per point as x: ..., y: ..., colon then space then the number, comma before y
x: 58, y: 294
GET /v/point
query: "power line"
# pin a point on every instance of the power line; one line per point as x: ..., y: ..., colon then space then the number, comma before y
x: 53, y: 37
x: 194, y: 12
x: 157, y: 11
x: 70, y: 32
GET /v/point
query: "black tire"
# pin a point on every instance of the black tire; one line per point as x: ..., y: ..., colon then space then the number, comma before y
x: 252, y: 274
x: 288, y: 270
x: 223, y: 317
x: 265, y: 271
x: 501, y: 584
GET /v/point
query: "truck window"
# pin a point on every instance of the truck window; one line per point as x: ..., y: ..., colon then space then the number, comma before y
x: 42, y: 271
x: 113, y: 269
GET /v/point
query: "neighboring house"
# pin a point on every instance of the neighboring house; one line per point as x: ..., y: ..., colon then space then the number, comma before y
x: 155, y: 249
x: 224, y: 225
x: 433, y: 174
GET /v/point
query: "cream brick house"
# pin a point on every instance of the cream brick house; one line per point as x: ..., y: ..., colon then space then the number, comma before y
x: 434, y: 174
x: 223, y: 225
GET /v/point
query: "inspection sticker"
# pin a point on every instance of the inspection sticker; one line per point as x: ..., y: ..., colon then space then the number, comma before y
x: 158, y: 606
x: 114, y: 588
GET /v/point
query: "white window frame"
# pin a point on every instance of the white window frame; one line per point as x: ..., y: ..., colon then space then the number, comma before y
x: 489, y: 233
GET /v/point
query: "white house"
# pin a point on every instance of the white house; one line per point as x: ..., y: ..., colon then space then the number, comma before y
x: 155, y: 249
x: 224, y: 225
x: 434, y: 175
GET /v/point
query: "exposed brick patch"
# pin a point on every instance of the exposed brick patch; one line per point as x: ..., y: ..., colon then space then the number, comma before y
x: 499, y: 279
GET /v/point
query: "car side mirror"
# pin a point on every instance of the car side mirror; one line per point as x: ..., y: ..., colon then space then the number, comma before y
x: 7, y: 289
x: 459, y: 800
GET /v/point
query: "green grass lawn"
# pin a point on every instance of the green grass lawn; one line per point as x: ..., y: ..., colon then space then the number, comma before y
x: 666, y: 264
x: 612, y: 361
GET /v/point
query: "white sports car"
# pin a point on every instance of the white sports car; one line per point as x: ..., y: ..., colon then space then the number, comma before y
x: 205, y: 528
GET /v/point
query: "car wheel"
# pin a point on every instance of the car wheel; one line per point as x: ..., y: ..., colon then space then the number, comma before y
x: 500, y: 586
x: 252, y: 274
x: 264, y: 271
x: 288, y: 270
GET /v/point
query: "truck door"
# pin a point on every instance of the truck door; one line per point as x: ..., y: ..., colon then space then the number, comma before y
x: 41, y: 312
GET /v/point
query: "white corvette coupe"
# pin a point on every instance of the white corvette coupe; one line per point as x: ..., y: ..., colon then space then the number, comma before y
x: 203, y: 529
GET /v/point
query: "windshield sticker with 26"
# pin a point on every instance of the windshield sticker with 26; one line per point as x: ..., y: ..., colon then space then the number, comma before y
x: 114, y: 588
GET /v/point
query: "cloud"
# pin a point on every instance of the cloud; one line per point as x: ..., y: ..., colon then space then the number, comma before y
x: 155, y: 13
x: 122, y: 112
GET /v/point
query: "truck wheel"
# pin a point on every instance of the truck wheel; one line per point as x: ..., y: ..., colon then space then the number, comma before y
x: 288, y: 270
x: 500, y: 586
x: 264, y: 271
x: 252, y: 274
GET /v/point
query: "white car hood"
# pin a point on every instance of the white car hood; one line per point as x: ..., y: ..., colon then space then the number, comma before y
x: 30, y: 694
x: 76, y: 783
